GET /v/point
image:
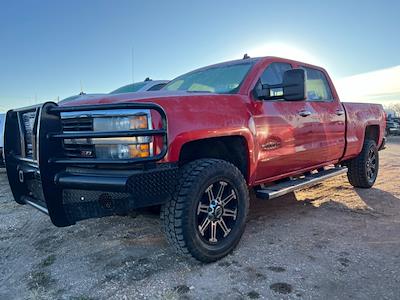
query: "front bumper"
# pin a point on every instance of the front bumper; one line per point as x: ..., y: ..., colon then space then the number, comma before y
x: 69, y: 189
x: 1, y: 158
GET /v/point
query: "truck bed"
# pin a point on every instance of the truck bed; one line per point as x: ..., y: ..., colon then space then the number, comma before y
x: 358, y: 117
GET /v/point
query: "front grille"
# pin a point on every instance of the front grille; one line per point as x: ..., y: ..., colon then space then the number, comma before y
x: 77, y: 124
x: 78, y: 148
x: 28, y: 120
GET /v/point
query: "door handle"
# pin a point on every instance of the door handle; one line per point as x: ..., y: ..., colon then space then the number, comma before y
x: 304, y: 113
x: 340, y: 112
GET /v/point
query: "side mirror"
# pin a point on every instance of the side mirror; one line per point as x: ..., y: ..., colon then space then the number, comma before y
x: 291, y: 89
x: 294, y: 85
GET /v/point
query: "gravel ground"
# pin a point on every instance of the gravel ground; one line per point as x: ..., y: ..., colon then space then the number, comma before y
x: 330, y: 241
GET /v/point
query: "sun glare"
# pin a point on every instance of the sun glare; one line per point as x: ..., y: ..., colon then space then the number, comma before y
x: 283, y: 50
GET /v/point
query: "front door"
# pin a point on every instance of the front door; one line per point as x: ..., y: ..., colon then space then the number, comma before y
x: 284, y: 131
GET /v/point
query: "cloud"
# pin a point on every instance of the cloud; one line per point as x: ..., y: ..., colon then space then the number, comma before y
x: 381, y: 86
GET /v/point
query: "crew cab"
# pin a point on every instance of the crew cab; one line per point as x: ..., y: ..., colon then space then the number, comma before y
x: 195, y: 147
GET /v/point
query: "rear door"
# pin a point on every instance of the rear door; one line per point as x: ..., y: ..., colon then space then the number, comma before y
x: 328, y: 116
x: 284, y: 130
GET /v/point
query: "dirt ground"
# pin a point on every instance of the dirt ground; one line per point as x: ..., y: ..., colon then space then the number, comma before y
x: 330, y: 241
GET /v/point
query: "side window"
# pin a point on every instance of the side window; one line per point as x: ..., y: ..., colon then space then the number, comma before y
x: 273, y: 74
x: 317, y: 86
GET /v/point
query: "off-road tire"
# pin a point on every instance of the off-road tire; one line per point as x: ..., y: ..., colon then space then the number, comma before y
x: 358, y: 166
x: 178, y: 215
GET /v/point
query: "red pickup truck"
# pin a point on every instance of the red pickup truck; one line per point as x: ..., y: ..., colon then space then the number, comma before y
x: 195, y: 148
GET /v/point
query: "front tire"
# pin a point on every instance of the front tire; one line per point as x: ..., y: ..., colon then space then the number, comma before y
x: 206, y: 216
x: 363, y: 169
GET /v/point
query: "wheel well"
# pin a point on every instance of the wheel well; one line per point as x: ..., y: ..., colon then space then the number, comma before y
x: 372, y: 133
x: 230, y: 148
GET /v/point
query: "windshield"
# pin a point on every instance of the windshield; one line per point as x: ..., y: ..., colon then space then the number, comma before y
x: 221, y: 79
x: 134, y: 87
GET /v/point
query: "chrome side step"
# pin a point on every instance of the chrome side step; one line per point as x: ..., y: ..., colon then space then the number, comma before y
x: 283, y: 188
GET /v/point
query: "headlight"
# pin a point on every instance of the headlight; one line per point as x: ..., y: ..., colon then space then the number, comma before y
x: 112, y: 148
x: 124, y: 147
x: 121, y: 123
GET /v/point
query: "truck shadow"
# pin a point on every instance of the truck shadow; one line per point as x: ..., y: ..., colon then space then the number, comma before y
x: 379, y: 200
x: 263, y: 208
x: 372, y: 201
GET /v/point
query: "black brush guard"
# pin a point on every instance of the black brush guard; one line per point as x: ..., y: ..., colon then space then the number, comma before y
x: 44, y: 178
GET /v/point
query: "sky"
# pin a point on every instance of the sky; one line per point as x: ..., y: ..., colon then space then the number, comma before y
x: 51, y: 49
x: 381, y: 86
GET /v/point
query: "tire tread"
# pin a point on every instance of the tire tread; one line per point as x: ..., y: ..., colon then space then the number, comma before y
x: 356, y: 173
x: 172, y: 217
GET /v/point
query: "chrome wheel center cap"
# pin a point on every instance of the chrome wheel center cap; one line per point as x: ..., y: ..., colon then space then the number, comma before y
x: 218, y: 211
x: 215, y: 211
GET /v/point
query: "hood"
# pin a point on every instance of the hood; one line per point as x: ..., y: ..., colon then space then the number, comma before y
x: 80, y: 97
x: 130, y: 97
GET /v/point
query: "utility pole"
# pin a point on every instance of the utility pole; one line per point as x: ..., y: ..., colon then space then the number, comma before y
x: 133, y: 66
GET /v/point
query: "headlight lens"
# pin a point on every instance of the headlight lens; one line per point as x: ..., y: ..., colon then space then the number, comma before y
x: 121, y: 123
x: 124, y: 147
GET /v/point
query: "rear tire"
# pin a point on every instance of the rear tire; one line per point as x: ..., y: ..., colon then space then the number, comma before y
x: 363, y: 169
x: 206, y: 216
